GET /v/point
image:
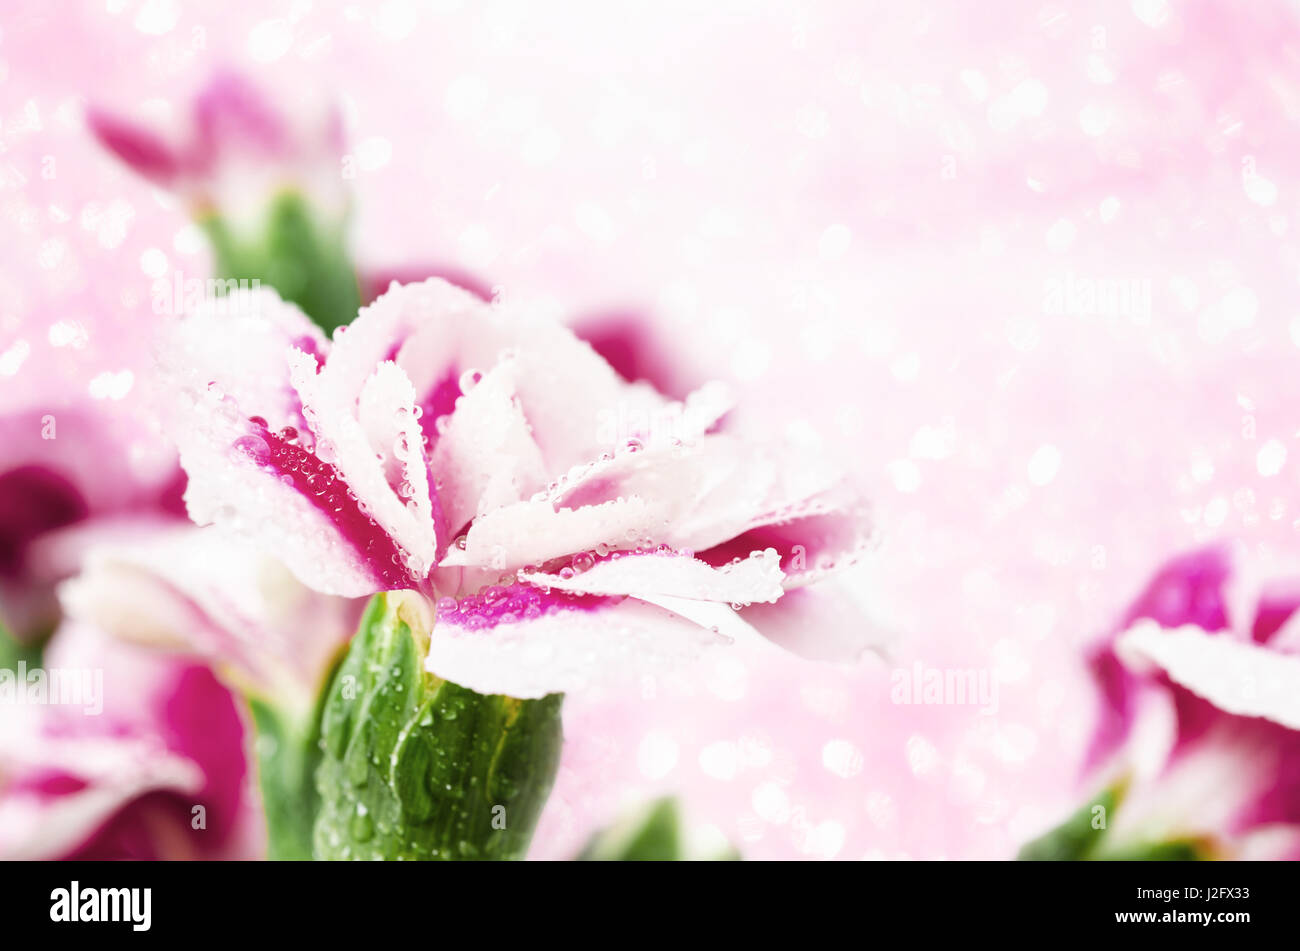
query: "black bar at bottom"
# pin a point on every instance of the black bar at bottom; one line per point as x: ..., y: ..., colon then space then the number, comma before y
x: 529, y: 901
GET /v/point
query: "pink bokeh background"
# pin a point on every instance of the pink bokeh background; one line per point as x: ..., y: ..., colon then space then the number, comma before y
x: 856, y: 213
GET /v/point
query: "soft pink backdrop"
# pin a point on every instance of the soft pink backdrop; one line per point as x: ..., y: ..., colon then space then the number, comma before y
x: 853, y: 212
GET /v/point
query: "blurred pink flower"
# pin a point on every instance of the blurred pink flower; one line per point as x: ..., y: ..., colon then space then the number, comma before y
x: 61, y: 465
x: 1201, y: 709
x: 497, y: 463
x: 168, y: 619
x: 150, y: 764
x: 182, y: 588
x: 235, y: 145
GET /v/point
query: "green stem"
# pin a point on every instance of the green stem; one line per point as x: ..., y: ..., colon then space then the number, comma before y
x: 288, y: 753
x: 416, y: 767
x: 304, y: 260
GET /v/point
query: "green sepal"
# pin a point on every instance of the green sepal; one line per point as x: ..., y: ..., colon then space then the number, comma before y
x: 305, y: 260
x: 1171, y: 850
x: 415, y: 767
x: 1079, y: 836
x: 652, y: 834
x: 1083, y: 837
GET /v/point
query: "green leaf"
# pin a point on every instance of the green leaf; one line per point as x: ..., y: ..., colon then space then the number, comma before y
x: 1084, y: 837
x: 652, y: 834
x: 1079, y: 836
x: 304, y: 260
x: 416, y: 767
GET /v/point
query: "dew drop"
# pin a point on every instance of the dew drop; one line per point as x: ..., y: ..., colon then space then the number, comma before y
x: 254, y: 448
x: 362, y: 826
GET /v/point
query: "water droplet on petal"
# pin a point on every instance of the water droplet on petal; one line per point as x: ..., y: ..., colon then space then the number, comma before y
x: 254, y: 448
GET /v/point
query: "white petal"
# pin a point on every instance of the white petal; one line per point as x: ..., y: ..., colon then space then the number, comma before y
x: 218, y: 370
x: 757, y: 578
x: 235, y: 489
x: 815, y: 538
x: 342, y: 439
x: 486, y: 458
x: 1236, y: 676
x: 532, y: 533
x: 570, y: 395
x: 204, y: 591
x: 584, y: 644
x: 829, y: 621
x: 704, y: 493
x: 236, y: 350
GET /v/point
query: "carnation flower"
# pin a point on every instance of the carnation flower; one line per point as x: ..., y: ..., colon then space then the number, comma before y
x: 163, y: 621
x: 67, y: 464
x: 266, y: 180
x: 1198, y: 741
x: 550, y: 510
x: 148, y: 764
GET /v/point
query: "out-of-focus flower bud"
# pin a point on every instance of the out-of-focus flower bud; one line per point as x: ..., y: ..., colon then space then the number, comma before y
x: 266, y: 182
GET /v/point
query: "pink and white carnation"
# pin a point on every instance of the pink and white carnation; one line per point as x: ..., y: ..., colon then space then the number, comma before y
x: 1200, y: 714
x: 150, y: 763
x: 562, y: 521
x: 162, y: 623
